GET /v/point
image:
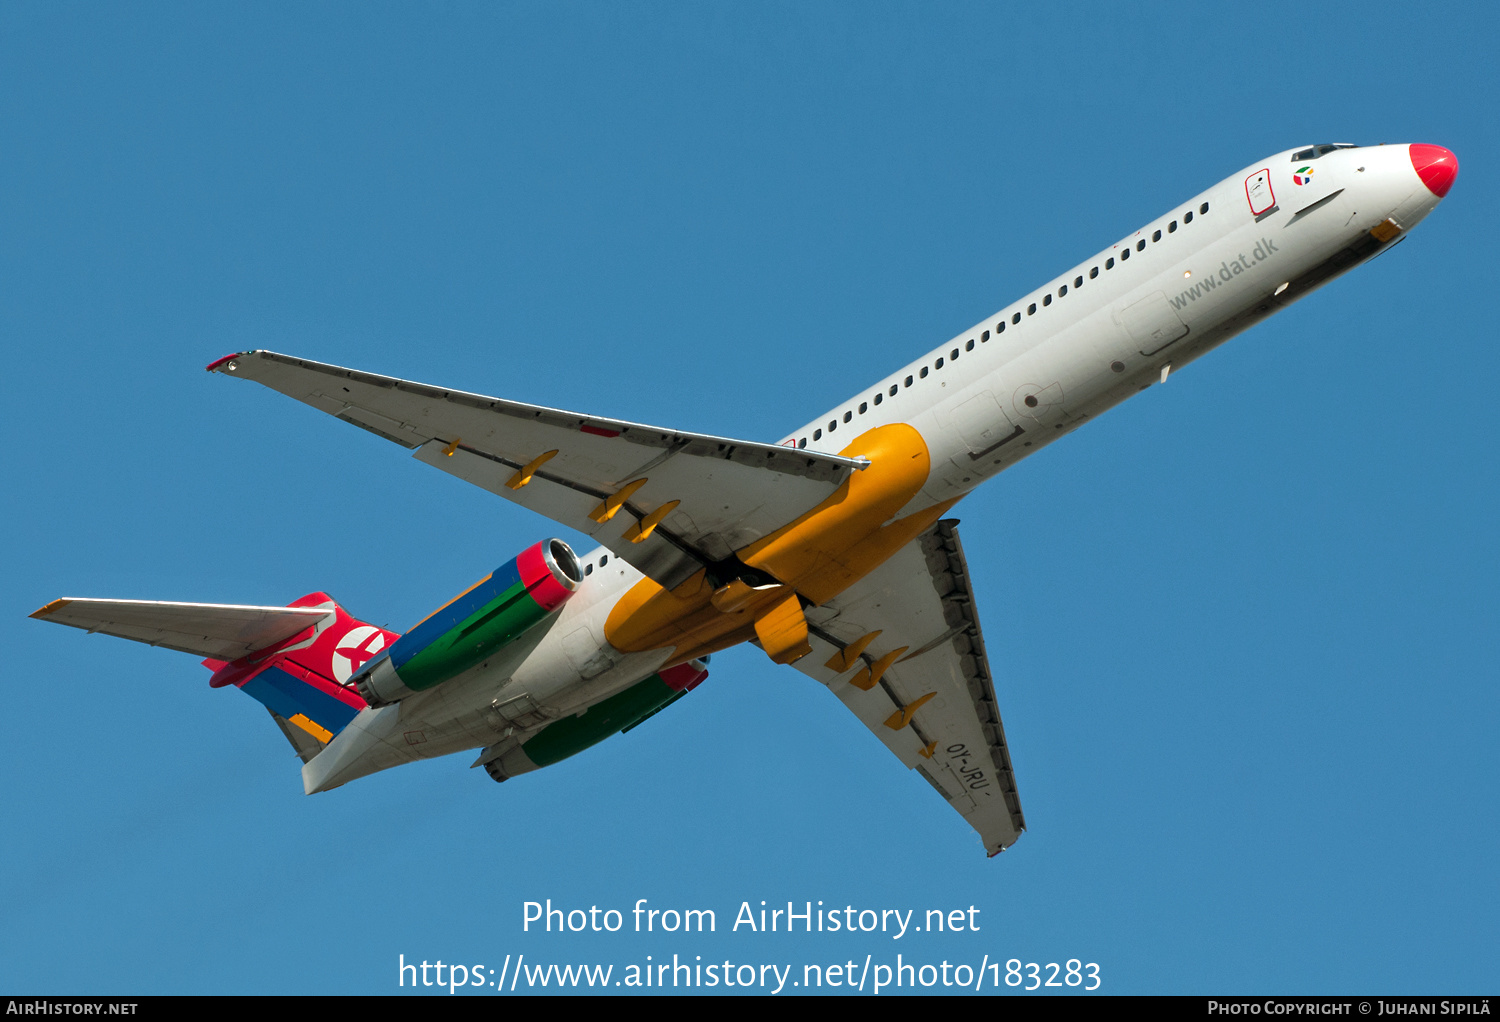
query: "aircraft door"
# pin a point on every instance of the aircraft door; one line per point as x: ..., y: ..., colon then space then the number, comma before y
x: 1151, y: 323
x: 982, y: 424
x: 1261, y: 196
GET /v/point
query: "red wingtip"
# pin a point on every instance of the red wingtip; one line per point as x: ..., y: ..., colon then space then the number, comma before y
x: 1436, y: 166
x: 220, y: 361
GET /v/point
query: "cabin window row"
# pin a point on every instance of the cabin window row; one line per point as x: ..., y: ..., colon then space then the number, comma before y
x: 1109, y: 264
x: 1015, y: 318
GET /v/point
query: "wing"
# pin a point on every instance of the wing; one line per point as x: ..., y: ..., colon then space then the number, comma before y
x: 666, y: 501
x: 214, y: 630
x: 923, y: 683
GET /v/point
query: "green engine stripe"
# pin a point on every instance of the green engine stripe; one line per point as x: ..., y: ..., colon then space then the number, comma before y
x: 498, y: 622
x: 564, y: 738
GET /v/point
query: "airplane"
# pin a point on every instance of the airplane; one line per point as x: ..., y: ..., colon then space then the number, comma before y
x: 831, y: 550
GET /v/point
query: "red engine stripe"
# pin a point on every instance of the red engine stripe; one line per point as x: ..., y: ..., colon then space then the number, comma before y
x: 546, y: 590
x: 682, y: 677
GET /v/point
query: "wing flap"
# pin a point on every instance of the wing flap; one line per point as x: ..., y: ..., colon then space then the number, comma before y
x: 727, y: 493
x: 213, y: 630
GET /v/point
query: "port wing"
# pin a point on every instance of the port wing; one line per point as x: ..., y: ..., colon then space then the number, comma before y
x: 667, y: 501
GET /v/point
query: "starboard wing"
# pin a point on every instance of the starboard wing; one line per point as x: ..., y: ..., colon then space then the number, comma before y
x: 923, y: 684
x: 666, y: 501
x: 214, y: 630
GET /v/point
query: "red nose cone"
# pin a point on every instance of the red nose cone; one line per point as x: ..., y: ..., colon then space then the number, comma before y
x: 1436, y: 166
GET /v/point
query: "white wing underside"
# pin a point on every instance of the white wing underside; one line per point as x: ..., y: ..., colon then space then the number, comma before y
x: 730, y: 492
x: 921, y: 599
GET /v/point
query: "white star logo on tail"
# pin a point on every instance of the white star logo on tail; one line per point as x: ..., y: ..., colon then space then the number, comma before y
x: 355, y: 647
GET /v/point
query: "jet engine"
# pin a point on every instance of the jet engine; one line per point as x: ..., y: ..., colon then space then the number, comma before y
x: 476, y: 624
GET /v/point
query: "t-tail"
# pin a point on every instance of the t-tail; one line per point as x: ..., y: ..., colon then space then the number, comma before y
x: 305, y: 680
x: 296, y: 660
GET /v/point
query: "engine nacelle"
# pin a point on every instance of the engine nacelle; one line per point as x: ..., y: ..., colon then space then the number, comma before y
x: 476, y: 624
x: 620, y: 712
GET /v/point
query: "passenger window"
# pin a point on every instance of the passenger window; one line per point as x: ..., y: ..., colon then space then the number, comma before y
x: 1017, y: 317
x: 863, y: 407
x: 939, y: 364
x: 848, y: 416
x: 1077, y: 282
x: 954, y: 354
x: 1203, y: 208
x: 984, y: 337
x: 1155, y: 236
x: 1171, y: 227
x: 1109, y: 264
x: 1187, y: 217
x: 588, y: 569
x: 802, y: 443
x: 908, y: 379
x: 1093, y: 273
x: 894, y: 388
x: 817, y: 434
x: 1047, y: 299
x: 1000, y: 328
x: 1062, y: 292
x: 1140, y: 246
x: 879, y: 398
x: 1124, y: 254
x: 970, y: 345
x: 833, y: 424
x: 604, y: 560
x: 1031, y: 309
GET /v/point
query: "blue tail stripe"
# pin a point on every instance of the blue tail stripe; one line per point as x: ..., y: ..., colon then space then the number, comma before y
x: 289, y: 696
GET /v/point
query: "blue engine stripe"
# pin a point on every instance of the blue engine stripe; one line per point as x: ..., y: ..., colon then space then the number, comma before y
x: 289, y: 696
x: 455, y: 613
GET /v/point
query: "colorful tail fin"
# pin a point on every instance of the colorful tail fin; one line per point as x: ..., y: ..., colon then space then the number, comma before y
x: 294, y: 659
x: 301, y: 680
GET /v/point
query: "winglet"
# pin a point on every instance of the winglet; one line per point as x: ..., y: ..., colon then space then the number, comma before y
x: 216, y: 363
x: 49, y: 608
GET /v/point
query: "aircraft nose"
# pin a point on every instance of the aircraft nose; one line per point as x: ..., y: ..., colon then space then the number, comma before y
x: 1436, y: 166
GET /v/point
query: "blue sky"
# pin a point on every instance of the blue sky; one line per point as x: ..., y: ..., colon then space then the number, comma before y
x: 1244, y: 627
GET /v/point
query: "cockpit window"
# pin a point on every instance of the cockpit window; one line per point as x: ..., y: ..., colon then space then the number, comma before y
x: 1313, y: 152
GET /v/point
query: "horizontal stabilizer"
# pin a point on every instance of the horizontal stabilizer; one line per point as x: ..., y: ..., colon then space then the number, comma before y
x: 214, y: 630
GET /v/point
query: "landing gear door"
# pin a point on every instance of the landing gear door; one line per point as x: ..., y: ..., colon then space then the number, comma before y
x: 1258, y: 191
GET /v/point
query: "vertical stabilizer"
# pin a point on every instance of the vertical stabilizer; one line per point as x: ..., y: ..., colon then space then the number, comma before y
x: 303, y: 680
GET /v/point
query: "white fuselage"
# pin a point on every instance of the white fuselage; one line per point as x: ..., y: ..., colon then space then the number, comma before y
x: 1038, y: 368
x: 1078, y: 349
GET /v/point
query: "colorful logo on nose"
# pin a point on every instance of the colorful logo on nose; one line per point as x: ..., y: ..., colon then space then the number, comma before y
x: 1303, y: 176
